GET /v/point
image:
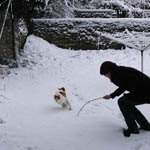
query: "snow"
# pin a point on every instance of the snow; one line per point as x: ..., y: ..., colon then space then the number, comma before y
x: 95, y: 19
x: 32, y: 120
x: 93, y: 10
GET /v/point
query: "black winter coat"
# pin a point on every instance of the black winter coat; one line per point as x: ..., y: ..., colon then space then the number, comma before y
x: 132, y: 80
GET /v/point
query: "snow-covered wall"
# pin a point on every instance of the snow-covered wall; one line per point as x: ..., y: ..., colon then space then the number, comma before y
x: 95, y: 13
x: 83, y: 33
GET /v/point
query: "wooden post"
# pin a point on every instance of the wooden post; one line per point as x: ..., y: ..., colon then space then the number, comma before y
x: 13, y: 32
x: 73, y: 3
x: 142, y: 60
x: 15, y: 45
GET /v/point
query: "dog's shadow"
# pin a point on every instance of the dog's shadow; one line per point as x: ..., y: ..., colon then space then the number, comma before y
x: 55, y: 110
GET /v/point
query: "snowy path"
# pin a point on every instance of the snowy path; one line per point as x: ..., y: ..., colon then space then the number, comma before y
x: 33, y: 121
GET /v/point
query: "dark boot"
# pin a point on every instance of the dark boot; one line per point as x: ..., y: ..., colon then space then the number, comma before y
x: 146, y: 128
x: 128, y: 132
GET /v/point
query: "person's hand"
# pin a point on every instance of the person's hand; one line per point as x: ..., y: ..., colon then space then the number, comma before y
x: 107, y: 97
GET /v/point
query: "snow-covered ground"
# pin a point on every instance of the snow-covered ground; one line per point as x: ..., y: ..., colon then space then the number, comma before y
x: 31, y: 119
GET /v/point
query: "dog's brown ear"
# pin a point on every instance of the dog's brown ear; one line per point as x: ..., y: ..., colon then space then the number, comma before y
x: 56, y: 97
x: 62, y: 89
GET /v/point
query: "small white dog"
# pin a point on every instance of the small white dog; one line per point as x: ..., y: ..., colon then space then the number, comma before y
x: 61, y: 98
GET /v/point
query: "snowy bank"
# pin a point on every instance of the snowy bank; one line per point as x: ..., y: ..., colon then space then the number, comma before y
x: 33, y: 121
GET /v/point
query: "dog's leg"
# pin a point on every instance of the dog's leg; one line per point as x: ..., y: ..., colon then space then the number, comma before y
x: 68, y: 104
x: 64, y: 105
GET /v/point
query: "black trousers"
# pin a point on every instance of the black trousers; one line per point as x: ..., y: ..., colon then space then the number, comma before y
x: 131, y: 114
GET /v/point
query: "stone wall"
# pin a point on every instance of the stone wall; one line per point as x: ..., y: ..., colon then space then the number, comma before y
x: 82, y: 33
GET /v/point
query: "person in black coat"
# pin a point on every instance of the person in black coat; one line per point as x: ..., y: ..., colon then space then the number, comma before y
x: 138, y: 86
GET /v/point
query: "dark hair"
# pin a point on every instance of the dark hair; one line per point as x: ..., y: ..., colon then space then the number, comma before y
x: 107, y: 67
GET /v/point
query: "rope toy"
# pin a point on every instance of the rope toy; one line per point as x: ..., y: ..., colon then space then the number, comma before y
x: 88, y: 103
